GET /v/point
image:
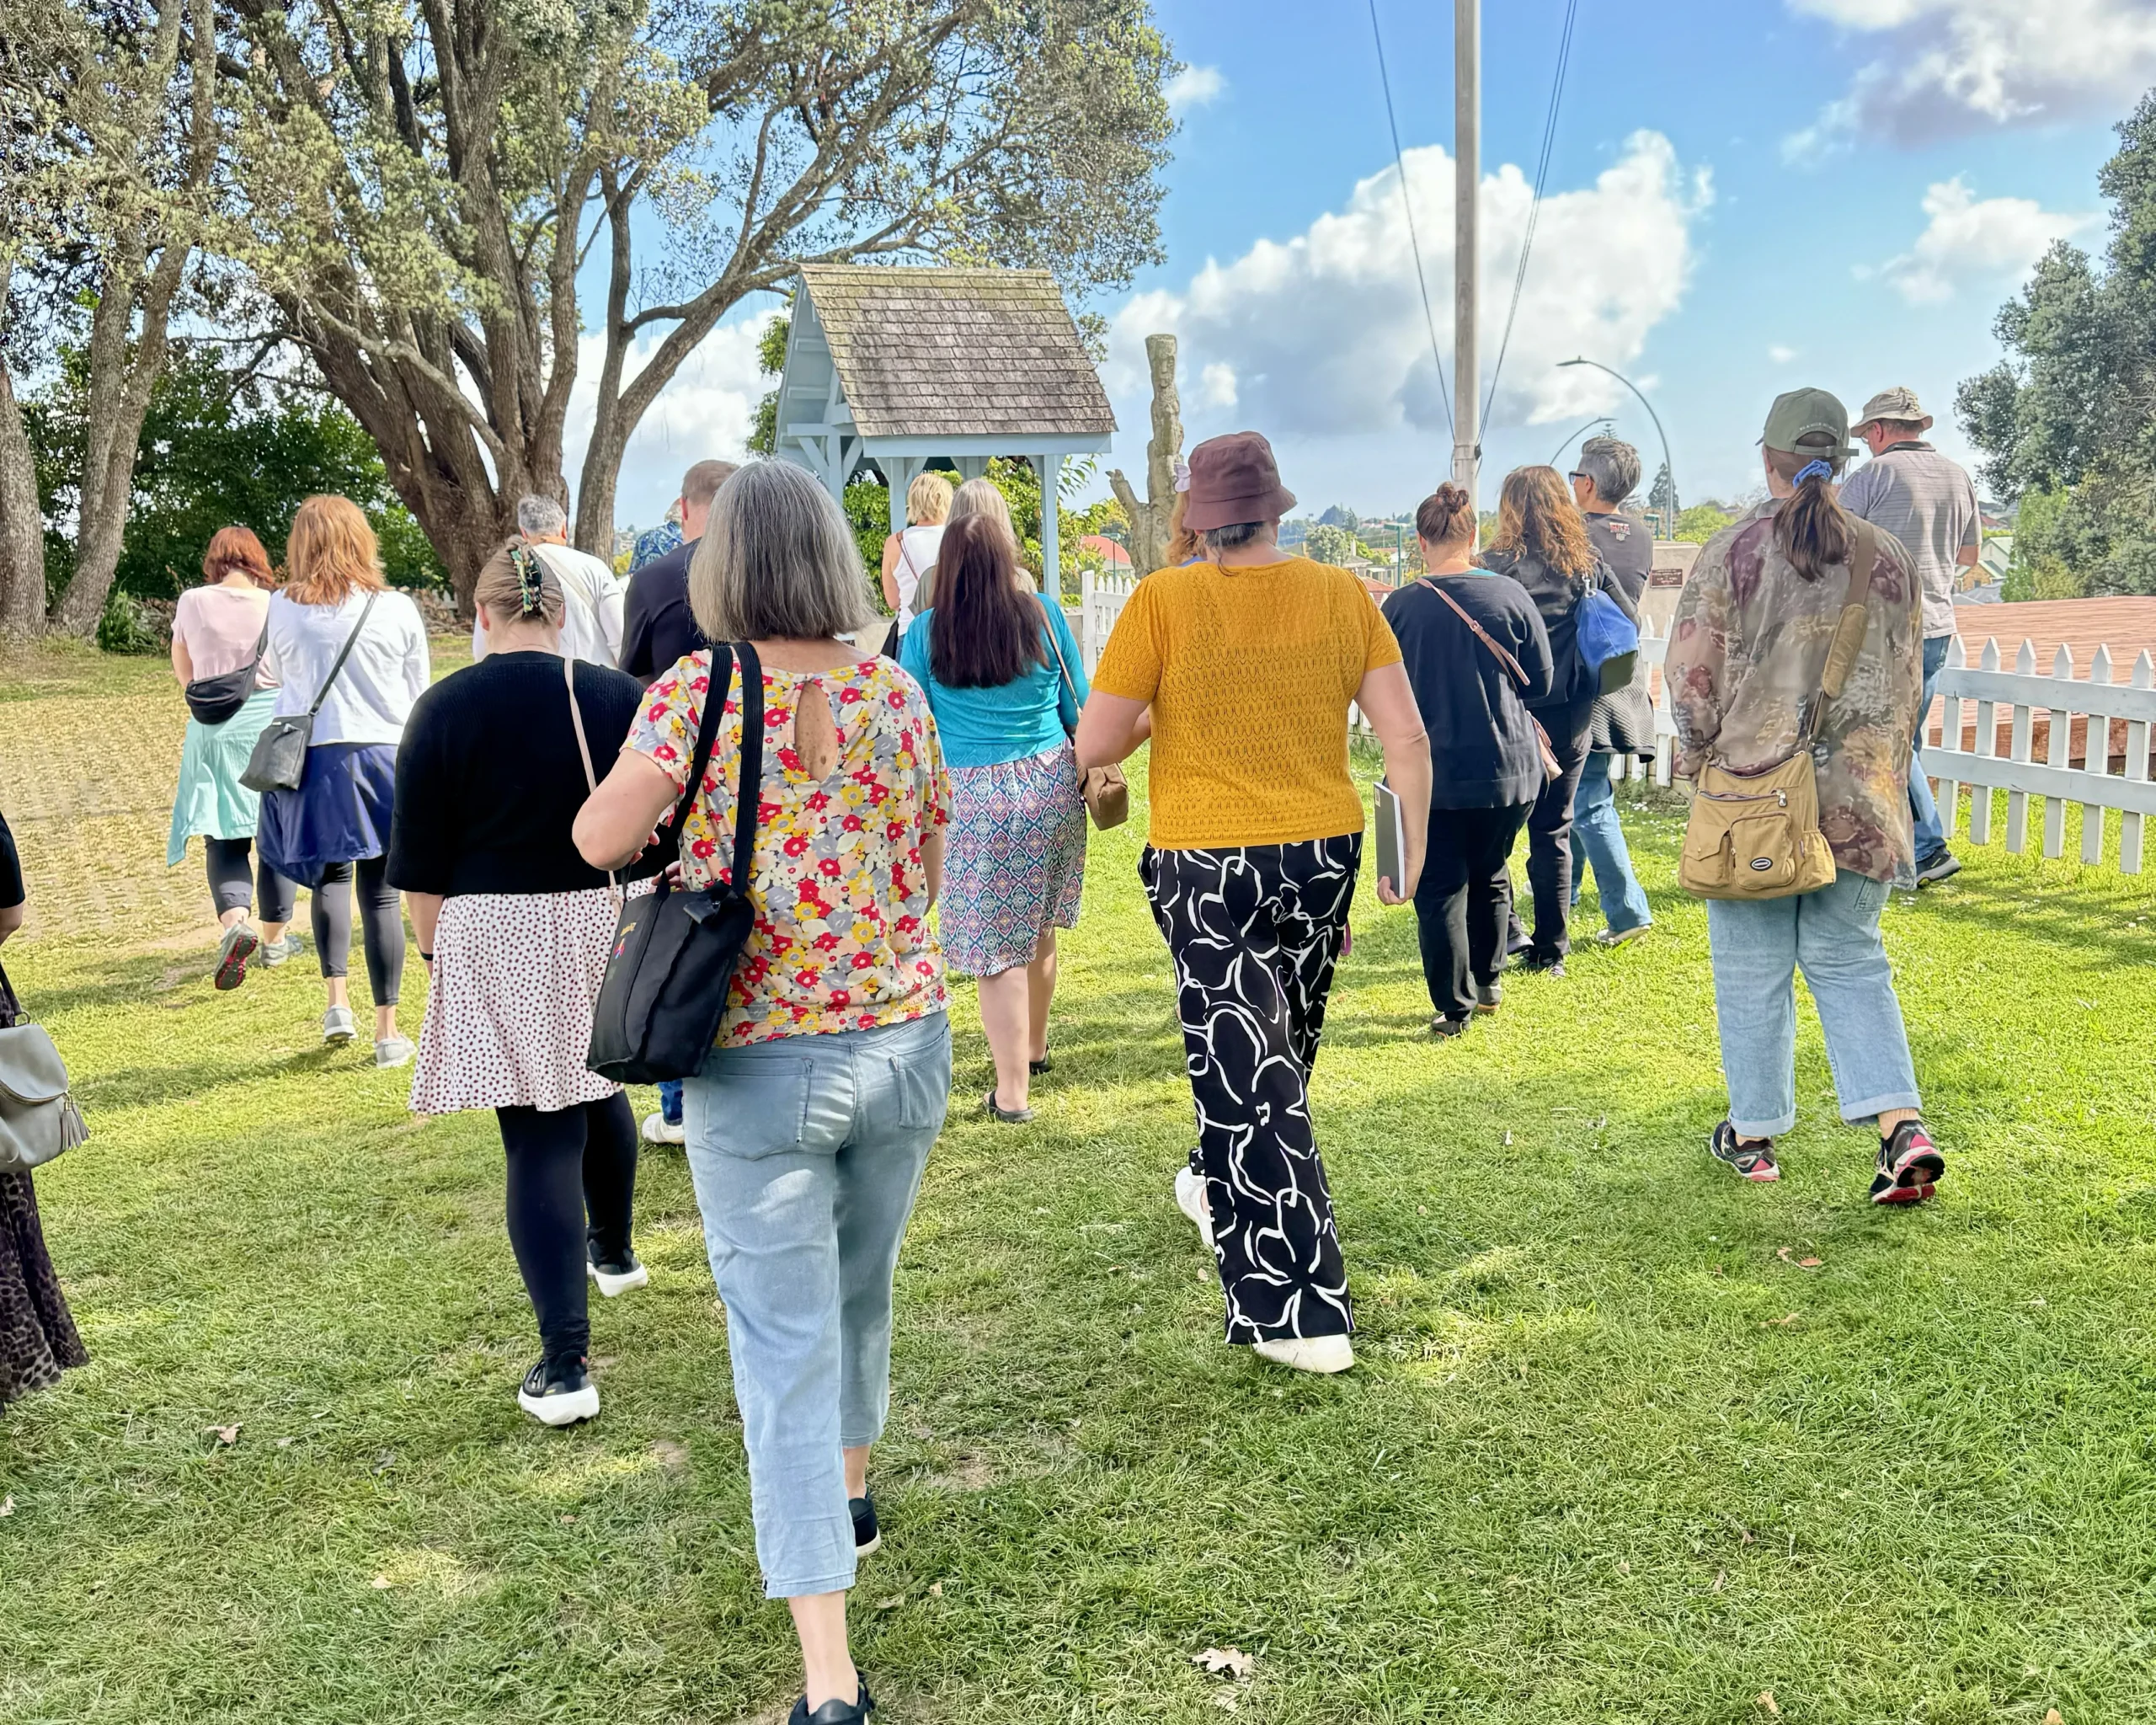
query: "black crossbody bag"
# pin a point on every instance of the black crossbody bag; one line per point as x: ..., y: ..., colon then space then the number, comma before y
x: 278, y: 761
x: 213, y: 700
x: 675, y: 949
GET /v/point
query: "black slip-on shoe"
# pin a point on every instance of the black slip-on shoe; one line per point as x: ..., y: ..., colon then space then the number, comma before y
x: 867, y: 1535
x: 834, y: 1712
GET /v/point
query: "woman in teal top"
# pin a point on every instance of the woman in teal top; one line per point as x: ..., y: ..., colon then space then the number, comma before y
x: 1003, y: 680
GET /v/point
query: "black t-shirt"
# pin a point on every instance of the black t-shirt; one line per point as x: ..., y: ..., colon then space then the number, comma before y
x: 1483, y: 751
x: 11, y: 870
x: 657, y: 625
x: 489, y: 781
x: 1626, y: 544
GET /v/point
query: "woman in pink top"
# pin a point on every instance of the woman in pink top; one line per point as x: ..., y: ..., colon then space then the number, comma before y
x: 218, y: 631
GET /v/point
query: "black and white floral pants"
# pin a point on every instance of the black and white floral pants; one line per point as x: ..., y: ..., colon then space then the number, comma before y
x: 1255, y: 933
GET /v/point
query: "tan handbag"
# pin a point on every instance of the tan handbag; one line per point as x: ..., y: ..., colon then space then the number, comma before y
x: 1756, y: 836
x: 1105, y: 791
x: 38, y: 1117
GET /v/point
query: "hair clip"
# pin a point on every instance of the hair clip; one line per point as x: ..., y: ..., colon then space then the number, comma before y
x: 530, y: 581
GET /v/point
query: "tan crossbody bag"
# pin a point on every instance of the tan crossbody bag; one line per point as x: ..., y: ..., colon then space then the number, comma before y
x: 1756, y: 836
x: 1106, y: 793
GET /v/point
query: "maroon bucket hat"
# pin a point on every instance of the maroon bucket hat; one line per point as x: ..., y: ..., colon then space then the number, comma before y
x: 1233, y: 479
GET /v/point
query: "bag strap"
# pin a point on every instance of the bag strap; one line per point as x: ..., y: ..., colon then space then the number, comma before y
x: 718, y: 678
x: 751, y: 797
x: 343, y: 653
x: 1481, y: 634
x: 1850, y: 628
x: 11, y: 1005
x: 1048, y: 624
x: 583, y: 748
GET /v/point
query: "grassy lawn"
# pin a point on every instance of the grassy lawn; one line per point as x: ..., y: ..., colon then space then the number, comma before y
x: 1612, y: 1454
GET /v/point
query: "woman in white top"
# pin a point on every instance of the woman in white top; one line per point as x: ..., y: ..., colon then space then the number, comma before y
x: 909, y: 555
x: 218, y: 632
x: 333, y: 830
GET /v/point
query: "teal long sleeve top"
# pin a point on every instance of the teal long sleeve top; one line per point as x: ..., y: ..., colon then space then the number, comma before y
x: 1026, y: 716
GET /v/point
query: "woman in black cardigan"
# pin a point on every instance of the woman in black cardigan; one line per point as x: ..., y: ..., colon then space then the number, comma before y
x: 1474, y: 691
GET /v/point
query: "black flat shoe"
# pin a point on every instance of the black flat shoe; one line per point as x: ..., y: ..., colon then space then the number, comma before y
x: 1010, y: 1117
x: 867, y: 1535
x: 1045, y: 1063
x: 833, y: 1712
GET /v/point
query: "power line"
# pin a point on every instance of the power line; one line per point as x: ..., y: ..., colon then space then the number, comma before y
x: 1400, y: 160
x: 1534, y: 209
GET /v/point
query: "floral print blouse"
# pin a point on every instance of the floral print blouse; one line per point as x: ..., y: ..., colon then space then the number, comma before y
x: 841, y: 939
x: 1747, y: 649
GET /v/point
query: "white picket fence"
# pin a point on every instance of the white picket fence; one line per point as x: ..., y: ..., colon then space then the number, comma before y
x: 1969, y: 752
x: 1100, y: 603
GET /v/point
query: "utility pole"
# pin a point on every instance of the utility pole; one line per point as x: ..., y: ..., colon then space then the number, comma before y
x: 1467, y: 152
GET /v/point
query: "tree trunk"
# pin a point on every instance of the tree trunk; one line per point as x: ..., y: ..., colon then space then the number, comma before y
x: 21, y: 527
x: 1149, y: 520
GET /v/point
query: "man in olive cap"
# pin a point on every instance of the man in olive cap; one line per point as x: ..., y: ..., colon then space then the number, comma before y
x: 1929, y: 504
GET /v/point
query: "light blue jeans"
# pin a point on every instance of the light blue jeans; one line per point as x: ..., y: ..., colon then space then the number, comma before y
x: 1834, y: 933
x: 1923, y: 812
x: 1601, y: 838
x: 807, y: 1154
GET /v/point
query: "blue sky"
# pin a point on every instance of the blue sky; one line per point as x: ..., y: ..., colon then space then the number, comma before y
x: 1742, y: 198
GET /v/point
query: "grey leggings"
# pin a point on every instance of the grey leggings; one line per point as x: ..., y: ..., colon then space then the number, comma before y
x: 271, y: 894
x: 382, y: 924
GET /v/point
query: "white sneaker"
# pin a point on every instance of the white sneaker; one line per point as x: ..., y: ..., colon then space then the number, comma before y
x: 658, y: 1129
x: 1190, y: 1200
x: 1320, y: 1354
x: 618, y: 1277
x: 337, y: 1029
x: 393, y: 1051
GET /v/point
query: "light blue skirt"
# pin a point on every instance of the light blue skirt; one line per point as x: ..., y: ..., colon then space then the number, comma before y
x: 212, y: 803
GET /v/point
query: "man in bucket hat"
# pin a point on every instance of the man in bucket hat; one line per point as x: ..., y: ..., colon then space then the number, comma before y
x: 1929, y: 504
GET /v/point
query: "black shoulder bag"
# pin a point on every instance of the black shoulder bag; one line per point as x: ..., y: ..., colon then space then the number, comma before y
x: 213, y: 700
x: 675, y: 949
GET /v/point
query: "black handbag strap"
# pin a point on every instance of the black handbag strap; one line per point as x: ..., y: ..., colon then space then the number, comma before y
x: 344, y: 653
x: 11, y: 1006
x: 723, y: 662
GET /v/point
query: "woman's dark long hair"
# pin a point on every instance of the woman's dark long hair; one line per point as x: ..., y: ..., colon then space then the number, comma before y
x: 1812, y: 529
x: 984, y: 629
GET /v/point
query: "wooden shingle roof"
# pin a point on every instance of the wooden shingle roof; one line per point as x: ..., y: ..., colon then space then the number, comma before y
x: 933, y: 353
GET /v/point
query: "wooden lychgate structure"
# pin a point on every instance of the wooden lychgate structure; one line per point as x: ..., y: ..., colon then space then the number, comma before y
x: 904, y: 369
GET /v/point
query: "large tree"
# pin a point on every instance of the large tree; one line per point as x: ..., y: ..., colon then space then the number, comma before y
x: 424, y: 180
x: 2067, y: 420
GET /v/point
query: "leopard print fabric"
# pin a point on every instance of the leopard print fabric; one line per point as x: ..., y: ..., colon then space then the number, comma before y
x: 37, y: 1336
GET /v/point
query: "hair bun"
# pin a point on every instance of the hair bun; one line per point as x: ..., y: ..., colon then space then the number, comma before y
x: 1436, y: 517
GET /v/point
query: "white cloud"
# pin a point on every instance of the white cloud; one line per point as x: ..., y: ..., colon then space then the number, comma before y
x: 1779, y: 355
x: 1966, y: 236
x: 1194, y: 87
x: 1946, y: 67
x: 1323, y: 335
x: 1216, y: 384
x: 707, y: 409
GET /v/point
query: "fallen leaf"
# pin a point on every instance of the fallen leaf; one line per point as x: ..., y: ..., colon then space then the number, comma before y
x: 1780, y: 1323
x: 2051, y: 1717
x: 1766, y: 1704
x: 7, y: 1506
x: 935, y: 1589
x: 1748, y: 1536
x: 1623, y: 1566
x: 381, y: 1582
x: 567, y: 1519
x: 891, y: 1604
x: 286, y: 1443
x: 1809, y: 1263
x: 1782, y: 1252
x: 227, y: 1434
x: 1722, y: 1581
x: 1224, y: 1662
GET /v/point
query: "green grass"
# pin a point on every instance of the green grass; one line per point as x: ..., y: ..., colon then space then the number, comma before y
x: 1608, y: 1456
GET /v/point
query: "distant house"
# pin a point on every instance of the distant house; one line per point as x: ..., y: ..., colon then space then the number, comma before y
x: 2126, y: 626
x: 1109, y: 552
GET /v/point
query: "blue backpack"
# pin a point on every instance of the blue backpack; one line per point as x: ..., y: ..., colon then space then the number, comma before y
x: 1609, y: 641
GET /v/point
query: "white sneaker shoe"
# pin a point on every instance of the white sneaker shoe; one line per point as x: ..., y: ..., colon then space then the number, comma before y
x: 393, y: 1051
x: 658, y: 1129
x: 617, y: 1277
x: 1319, y: 1353
x: 337, y: 1027
x: 1190, y: 1200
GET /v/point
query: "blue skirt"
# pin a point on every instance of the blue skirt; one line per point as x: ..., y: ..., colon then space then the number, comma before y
x: 338, y: 814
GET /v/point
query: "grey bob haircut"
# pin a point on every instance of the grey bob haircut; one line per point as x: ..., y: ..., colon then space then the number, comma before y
x: 1612, y: 465
x: 777, y: 561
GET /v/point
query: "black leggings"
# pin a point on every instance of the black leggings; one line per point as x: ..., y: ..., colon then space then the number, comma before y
x: 563, y: 1165
x: 381, y: 925
x: 230, y: 887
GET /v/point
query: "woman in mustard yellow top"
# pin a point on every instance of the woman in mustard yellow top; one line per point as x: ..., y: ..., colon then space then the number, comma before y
x: 1241, y: 669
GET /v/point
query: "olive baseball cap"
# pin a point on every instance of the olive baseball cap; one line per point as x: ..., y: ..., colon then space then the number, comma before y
x: 1899, y: 404
x: 1802, y: 414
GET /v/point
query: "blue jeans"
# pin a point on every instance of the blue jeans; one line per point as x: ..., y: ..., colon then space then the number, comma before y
x: 1923, y: 812
x: 1834, y: 933
x: 1602, y: 848
x: 807, y: 1154
x: 669, y: 1101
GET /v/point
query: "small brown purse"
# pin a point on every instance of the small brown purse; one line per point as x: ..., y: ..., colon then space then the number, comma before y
x: 1105, y: 791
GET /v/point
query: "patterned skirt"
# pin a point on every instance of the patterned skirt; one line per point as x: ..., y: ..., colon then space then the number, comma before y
x: 211, y: 803
x: 508, y: 1006
x: 37, y: 1335
x: 1014, y: 860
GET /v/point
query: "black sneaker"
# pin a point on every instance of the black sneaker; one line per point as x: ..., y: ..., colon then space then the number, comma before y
x: 557, y: 1392
x: 833, y: 1712
x: 1442, y: 1026
x: 1910, y: 1166
x: 1938, y: 866
x: 867, y: 1535
x: 1549, y: 963
x: 617, y: 1273
x: 1749, y: 1158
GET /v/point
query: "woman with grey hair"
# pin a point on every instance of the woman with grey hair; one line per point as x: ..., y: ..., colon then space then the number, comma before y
x: 1622, y: 723
x: 810, y: 1123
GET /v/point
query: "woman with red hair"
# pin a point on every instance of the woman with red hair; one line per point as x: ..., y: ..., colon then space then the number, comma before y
x: 219, y: 635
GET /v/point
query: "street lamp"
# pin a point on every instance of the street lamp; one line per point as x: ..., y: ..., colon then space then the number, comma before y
x: 1669, y: 465
x: 1599, y: 419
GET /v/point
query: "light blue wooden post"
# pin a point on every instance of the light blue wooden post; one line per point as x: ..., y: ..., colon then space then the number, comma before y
x: 1051, y: 473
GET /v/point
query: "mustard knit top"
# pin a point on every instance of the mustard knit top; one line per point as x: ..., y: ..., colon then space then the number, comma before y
x: 1249, y: 672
